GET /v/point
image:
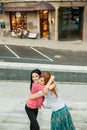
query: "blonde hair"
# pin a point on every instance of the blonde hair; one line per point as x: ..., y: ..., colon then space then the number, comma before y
x: 46, y: 75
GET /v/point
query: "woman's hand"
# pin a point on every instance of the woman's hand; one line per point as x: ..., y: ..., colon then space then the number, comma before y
x: 53, y: 85
x: 52, y: 78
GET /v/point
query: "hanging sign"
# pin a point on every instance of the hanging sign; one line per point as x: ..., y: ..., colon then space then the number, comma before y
x: 18, y: 14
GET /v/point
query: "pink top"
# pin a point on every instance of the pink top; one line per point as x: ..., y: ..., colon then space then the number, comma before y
x: 37, y: 102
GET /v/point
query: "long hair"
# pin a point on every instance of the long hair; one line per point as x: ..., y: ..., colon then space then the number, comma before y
x: 37, y: 71
x: 46, y: 75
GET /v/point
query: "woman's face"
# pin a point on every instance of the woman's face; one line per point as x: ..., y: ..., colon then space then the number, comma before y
x: 41, y: 81
x: 35, y: 77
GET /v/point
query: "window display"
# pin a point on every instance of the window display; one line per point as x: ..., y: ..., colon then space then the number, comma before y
x: 18, y: 21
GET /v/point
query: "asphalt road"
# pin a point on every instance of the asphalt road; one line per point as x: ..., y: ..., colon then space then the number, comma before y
x: 27, y: 54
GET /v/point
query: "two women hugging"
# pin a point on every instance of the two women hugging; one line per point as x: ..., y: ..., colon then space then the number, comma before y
x: 43, y: 86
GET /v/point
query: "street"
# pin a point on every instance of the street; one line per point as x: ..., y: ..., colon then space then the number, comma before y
x: 26, y: 54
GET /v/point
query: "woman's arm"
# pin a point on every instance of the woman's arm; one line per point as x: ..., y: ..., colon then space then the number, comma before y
x: 42, y: 92
x: 50, y: 87
x: 36, y: 95
x: 51, y: 80
x: 51, y: 84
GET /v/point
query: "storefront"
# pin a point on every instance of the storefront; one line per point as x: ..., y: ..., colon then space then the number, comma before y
x: 54, y: 20
x: 45, y: 10
x: 19, y: 18
x: 70, y: 21
x: 34, y: 18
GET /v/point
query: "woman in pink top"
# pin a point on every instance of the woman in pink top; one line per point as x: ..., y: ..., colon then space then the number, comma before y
x: 38, y: 102
x: 32, y: 105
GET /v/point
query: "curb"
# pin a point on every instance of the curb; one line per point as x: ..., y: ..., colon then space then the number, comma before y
x: 49, y: 67
x: 63, y: 73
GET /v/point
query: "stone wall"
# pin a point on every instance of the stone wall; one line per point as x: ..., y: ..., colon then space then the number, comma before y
x: 85, y: 25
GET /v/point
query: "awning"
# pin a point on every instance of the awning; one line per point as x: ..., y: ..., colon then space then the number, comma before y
x: 40, y: 6
x: 44, y: 6
x: 10, y: 9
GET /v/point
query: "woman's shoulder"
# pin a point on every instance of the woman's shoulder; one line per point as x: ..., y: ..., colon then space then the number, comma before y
x: 35, y: 85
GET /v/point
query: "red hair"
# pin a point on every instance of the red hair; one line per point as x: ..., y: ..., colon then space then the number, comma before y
x: 46, y: 75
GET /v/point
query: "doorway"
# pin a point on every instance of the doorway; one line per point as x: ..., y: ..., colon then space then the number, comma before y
x: 44, y: 24
x: 70, y: 23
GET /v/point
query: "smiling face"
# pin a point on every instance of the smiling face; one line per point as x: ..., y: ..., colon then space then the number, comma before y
x: 35, y: 77
x: 44, y: 78
x: 41, y: 81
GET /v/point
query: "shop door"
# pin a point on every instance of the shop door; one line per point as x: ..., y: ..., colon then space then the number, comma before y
x: 69, y: 23
x: 44, y: 24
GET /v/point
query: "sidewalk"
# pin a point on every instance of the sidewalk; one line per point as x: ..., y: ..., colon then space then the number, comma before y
x: 13, y: 96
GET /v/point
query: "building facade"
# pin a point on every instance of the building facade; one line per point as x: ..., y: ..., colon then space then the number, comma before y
x: 52, y: 19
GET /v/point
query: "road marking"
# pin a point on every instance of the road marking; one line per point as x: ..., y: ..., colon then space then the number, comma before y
x: 23, y: 58
x: 12, y: 51
x: 41, y: 54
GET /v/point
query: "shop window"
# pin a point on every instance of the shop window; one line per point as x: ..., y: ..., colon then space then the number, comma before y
x: 69, y: 22
x: 18, y: 21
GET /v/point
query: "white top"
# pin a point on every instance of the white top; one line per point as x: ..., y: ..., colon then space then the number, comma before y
x: 54, y: 102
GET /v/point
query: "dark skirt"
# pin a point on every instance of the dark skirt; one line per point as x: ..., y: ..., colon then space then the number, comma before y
x: 62, y: 120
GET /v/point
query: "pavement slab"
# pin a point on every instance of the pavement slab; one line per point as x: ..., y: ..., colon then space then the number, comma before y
x: 13, y: 96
